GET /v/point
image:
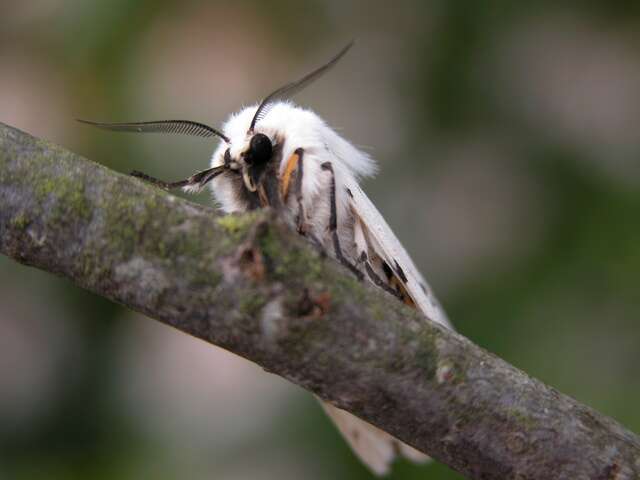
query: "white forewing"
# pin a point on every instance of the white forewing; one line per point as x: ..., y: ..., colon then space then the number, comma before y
x: 387, y: 246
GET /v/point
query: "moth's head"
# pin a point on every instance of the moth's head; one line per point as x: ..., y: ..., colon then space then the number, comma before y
x: 247, y: 152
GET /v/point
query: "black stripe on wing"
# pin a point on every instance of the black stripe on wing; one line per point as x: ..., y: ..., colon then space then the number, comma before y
x: 181, y: 127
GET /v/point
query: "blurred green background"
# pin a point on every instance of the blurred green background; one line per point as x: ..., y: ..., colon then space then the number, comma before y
x: 507, y: 136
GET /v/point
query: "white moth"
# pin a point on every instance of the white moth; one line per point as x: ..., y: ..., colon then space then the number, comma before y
x: 280, y: 155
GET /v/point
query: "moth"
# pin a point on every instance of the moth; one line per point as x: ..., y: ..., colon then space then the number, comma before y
x: 279, y: 155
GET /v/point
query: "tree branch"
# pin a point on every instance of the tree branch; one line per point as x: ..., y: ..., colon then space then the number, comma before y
x: 248, y: 284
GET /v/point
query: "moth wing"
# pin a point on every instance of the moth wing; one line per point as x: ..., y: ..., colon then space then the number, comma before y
x: 373, y: 446
x: 384, y: 243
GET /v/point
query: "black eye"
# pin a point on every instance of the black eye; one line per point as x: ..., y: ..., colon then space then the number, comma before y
x: 260, y: 149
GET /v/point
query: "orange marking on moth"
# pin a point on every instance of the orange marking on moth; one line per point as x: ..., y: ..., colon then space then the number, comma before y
x: 399, y: 287
x: 285, y: 181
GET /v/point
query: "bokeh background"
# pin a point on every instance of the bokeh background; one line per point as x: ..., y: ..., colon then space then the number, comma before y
x: 507, y: 136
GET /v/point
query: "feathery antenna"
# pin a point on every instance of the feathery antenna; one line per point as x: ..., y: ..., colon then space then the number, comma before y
x: 292, y: 88
x: 181, y: 127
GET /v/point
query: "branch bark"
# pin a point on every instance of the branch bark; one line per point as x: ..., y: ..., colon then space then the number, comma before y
x: 248, y: 284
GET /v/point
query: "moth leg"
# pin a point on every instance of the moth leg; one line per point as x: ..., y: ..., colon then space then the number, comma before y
x: 150, y: 179
x: 333, y: 224
x: 302, y: 226
x: 193, y: 183
x: 295, y: 164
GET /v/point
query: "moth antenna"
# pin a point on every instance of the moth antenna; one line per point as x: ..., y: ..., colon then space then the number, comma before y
x: 292, y: 88
x: 182, y: 127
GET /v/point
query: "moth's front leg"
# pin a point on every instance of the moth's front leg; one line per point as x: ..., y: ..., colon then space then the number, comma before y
x: 303, y: 228
x: 296, y: 164
x: 194, y: 183
x: 333, y: 224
